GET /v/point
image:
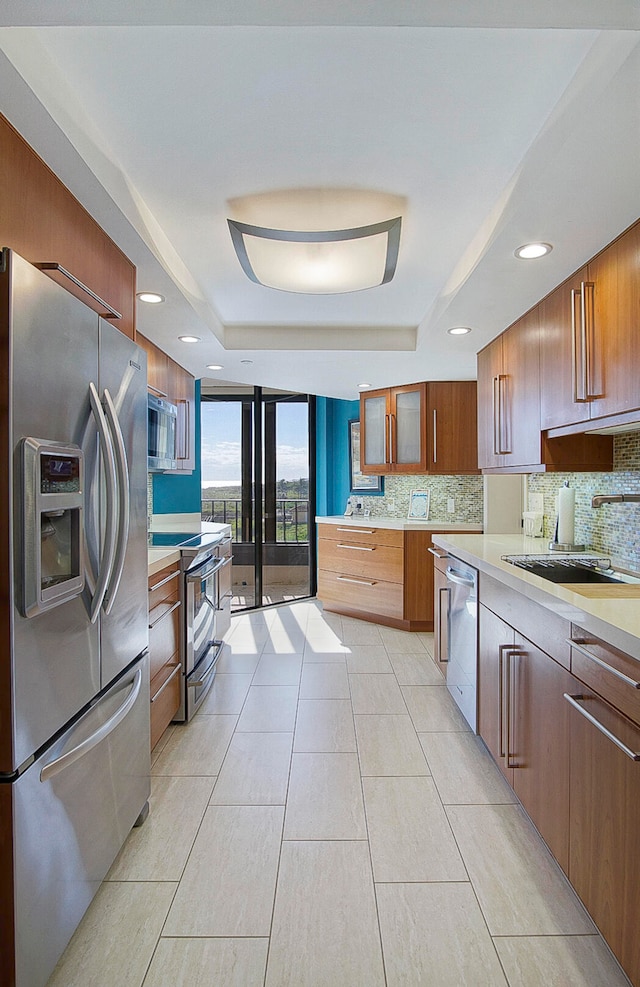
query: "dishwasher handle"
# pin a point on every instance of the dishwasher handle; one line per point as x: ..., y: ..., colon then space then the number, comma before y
x: 455, y: 577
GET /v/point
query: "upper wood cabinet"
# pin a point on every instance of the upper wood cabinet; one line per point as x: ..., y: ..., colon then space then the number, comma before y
x: 589, y: 334
x: 452, y: 431
x: 167, y: 379
x: 419, y: 428
x: 509, y: 427
x: 43, y: 222
x: 185, y: 399
x: 509, y: 397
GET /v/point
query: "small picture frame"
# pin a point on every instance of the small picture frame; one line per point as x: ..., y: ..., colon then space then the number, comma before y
x: 419, y: 505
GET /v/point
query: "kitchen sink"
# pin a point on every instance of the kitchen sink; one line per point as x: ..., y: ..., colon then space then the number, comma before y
x: 570, y: 570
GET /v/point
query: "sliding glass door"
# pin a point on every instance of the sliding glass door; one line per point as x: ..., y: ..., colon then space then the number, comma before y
x: 249, y: 433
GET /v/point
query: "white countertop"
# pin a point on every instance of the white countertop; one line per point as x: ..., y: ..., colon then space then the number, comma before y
x: 397, y: 524
x: 616, y: 621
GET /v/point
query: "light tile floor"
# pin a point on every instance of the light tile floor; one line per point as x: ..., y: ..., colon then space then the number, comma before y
x: 329, y: 820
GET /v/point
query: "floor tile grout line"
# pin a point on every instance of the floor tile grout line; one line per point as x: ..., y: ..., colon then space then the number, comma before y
x: 284, y: 818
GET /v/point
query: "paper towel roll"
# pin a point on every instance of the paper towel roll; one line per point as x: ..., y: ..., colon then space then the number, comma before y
x: 566, y: 515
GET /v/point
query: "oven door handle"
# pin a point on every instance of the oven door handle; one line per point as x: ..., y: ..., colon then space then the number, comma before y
x: 208, y: 672
x: 208, y: 568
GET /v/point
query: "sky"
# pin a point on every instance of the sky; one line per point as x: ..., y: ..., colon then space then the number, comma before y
x: 221, y: 436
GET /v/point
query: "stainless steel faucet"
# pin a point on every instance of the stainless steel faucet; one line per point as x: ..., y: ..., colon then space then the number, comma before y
x: 601, y: 499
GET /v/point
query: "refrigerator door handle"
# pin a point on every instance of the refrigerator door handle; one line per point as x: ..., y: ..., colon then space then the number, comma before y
x: 122, y: 470
x: 108, y: 553
x: 65, y: 760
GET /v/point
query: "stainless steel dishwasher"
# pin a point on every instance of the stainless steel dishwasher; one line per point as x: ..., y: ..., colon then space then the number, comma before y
x: 462, y: 664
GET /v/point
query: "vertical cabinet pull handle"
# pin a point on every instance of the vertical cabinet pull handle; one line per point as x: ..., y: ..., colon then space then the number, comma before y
x: 441, y: 651
x: 387, y: 444
x: 587, y: 298
x: 435, y: 436
x: 496, y: 415
x: 503, y: 415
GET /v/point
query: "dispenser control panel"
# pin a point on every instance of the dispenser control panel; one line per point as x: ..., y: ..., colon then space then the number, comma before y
x: 52, y: 524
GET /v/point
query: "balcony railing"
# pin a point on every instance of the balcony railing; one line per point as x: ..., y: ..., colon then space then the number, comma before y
x: 292, y: 518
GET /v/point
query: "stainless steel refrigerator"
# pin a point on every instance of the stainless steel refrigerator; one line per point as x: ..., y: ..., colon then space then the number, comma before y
x: 74, y: 679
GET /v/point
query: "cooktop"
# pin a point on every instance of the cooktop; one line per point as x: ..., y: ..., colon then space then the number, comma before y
x: 171, y: 539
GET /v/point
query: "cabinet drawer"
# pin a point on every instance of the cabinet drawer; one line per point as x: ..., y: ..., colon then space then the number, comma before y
x: 164, y: 634
x: 546, y: 629
x: 165, y: 699
x: 372, y: 596
x: 358, y: 535
x: 372, y: 561
x: 164, y: 586
x: 613, y: 674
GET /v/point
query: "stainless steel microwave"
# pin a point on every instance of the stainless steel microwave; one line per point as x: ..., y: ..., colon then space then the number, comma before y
x: 161, y: 434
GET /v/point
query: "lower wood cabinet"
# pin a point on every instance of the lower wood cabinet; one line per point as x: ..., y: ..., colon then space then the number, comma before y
x: 566, y: 735
x: 165, y: 662
x: 375, y: 573
x: 604, y: 836
x: 524, y: 721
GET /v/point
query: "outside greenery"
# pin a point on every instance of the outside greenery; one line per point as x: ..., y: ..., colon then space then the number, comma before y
x: 224, y: 504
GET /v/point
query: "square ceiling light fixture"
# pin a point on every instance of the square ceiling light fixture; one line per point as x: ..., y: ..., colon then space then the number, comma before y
x: 312, y: 258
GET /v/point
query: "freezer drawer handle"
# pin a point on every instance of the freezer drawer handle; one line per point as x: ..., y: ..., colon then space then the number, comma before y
x: 603, y: 664
x: 122, y: 469
x: 106, y: 562
x: 60, y: 763
x: 574, y: 701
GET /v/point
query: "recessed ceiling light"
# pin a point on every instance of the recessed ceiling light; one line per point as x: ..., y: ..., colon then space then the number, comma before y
x: 530, y: 251
x: 459, y: 330
x: 215, y: 366
x: 363, y: 387
x: 152, y: 297
x: 246, y: 361
x: 189, y: 339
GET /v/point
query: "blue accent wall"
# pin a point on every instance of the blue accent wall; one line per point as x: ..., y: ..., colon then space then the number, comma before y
x: 174, y: 494
x: 333, y: 483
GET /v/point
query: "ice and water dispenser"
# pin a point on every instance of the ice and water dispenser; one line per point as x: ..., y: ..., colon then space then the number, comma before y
x: 52, y: 524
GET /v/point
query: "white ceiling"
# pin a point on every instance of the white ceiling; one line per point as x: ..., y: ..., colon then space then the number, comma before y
x: 498, y: 123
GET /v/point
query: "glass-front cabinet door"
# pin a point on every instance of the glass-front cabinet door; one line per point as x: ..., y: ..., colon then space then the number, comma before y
x: 374, y: 432
x: 393, y: 430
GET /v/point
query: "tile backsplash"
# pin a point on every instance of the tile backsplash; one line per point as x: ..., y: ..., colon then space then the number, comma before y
x: 613, y: 529
x: 465, y: 491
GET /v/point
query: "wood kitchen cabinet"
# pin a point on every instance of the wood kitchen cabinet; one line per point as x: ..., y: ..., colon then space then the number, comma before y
x: 509, y: 424
x: 165, y: 657
x: 385, y: 575
x: 420, y: 428
x: 509, y: 397
x: 43, y: 222
x: 452, y: 428
x: 167, y: 379
x: 589, y: 334
x: 523, y: 719
x: 604, y: 865
x: 393, y: 432
x: 183, y: 387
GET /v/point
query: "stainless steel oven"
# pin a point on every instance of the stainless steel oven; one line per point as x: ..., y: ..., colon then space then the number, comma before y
x: 202, y: 643
x: 205, y: 594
